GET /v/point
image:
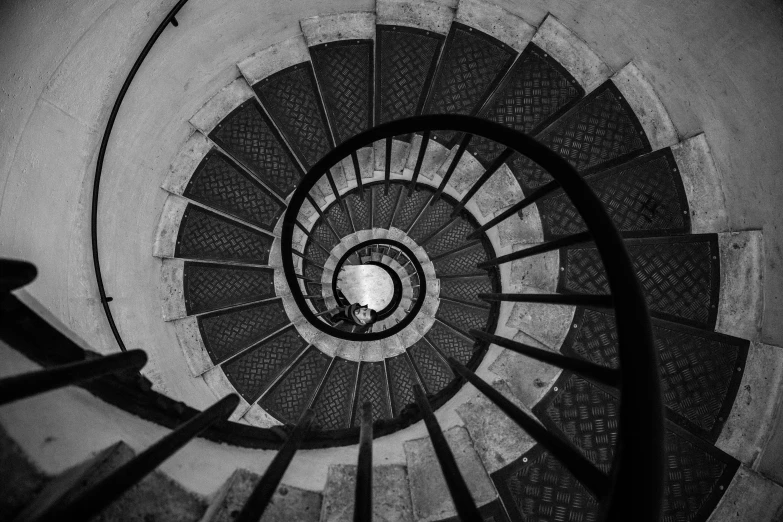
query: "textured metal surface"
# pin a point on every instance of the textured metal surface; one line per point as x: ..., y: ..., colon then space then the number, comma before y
x: 360, y: 211
x: 466, y: 289
x: 208, y: 287
x: 433, y: 370
x: 312, y: 272
x: 406, y: 59
x: 315, y: 254
x: 680, y: 275
x: 401, y: 380
x: 344, y: 72
x: 291, y: 98
x: 462, y: 317
x: 450, y: 343
x: 410, y: 206
x: 471, y: 66
x: 697, y: 472
x: 462, y: 262
x: 288, y: 399
x: 206, y: 235
x: 644, y: 196
x: 431, y: 220
x: 251, y: 138
x: 218, y: 183
x: 533, y: 94
x: 372, y: 388
x: 537, y: 488
x: 698, y: 369
x: 384, y: 205
x: 339, y: 220
x: 450, y: 239
x: 599, y: 132
x: 252, y: 372
x: 323, y: 234
x: 225, y: 333
x: 333, y: 405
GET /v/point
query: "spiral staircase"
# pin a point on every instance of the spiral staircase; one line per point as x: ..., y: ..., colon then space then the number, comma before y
x: 455, y: 223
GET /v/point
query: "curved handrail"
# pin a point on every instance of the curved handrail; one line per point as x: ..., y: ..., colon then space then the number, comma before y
x: 637, y: 474
x: 99, y: 165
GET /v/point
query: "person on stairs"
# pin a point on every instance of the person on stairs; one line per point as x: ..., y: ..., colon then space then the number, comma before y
x: 354, y: 314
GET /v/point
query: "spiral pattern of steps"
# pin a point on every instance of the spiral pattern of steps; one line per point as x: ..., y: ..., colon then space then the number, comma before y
x: 241, y: 331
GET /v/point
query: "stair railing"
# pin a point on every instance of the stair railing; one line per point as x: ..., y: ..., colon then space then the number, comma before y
x: 634, y: 488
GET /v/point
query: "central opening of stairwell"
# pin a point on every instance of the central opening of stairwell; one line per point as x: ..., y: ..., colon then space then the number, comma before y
x: 367, y: 285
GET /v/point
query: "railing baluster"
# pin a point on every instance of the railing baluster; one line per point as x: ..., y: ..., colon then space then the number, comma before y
x: 387, y: 169
x: 513, y: 209
x: 574, y: 239
x: 298, y: 253
x: 596, y: 301
x: 460, y: 494
x: 454, y: 162
x: 311, y: 238
x: 363, y: 500
x: 28, y: 384
x: 96, y: 498
x: 584, y: 470
x: 358, y: 172
x: 262, y: 493
x: 333, y: 186
x: 418, y: 216
x: 499, y: 161
x: 15, y: 274
x: 323, y: 217
x: 608, y: 376
x: 425, y: 140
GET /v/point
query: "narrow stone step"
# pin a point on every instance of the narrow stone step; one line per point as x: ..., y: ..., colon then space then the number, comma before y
x: 429, y: 495
x: 390, y: 496
x: 288, y: 503
x: 750, y: 496
x: 155, y: 497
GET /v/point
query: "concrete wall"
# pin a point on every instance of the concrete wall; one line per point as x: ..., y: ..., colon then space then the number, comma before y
x: 716, y: 66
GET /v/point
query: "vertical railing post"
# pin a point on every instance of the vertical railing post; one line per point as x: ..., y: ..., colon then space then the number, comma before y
x: 363, y: 502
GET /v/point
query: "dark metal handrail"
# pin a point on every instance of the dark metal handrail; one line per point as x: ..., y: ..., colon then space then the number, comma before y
x: 637, y: 474
x: 170, y: 19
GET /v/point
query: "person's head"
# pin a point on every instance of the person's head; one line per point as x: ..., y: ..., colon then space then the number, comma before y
x: 365, y: 315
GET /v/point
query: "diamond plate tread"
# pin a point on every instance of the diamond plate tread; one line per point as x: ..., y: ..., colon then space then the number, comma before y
x: 410, y: 207
x: 208, y: 287
x: 312, y: 272
x: 206, y: 235
x: 462, y: 262
x: 225, y: 333
x: 466, y: 290
x: 405, y: 62
x: 450, y: 343
x: 323, y: 234
x: 252, y: 372
x: 360, y: 210
x: 534, y: 92
x: 435, y: 373
x: 383, y: 205
x: 402, y: 377
x: 333, y: 406
x: 699, y: 379
x: 680, y: 275
x: 372, y: 388
x: 588, y: 416
x: 344, y: 72
x: 291, y: 98
x: 450, y: 239
x: 471, y: 65
x: 315, y: 254
x: 600, y: 131
x: 218, y: 183
x: 289, y: 398
x: 463, y: 318
x: 434, y: 217
x: 643, y: 196
x: 249, y: 136
x: 339, y: 220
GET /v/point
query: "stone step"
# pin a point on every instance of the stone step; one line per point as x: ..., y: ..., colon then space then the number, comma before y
x: 390, y: 494
x: 155, y: 497
x: 430, y: 497
x: 288, y: 503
